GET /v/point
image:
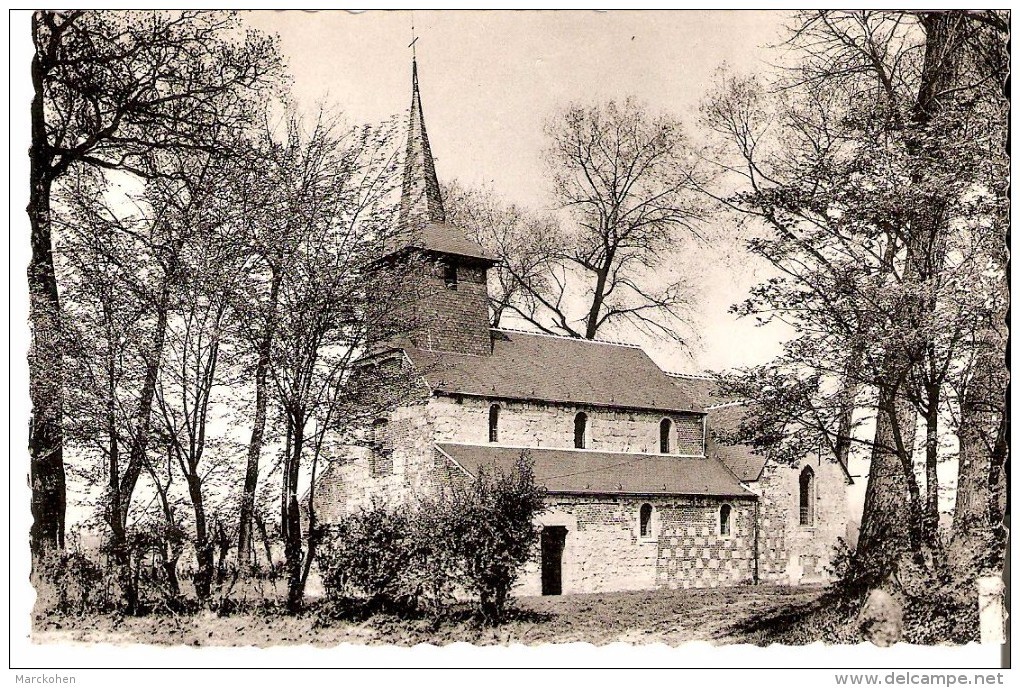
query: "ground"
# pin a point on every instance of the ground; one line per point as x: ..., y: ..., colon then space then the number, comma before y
x: 723, y: 615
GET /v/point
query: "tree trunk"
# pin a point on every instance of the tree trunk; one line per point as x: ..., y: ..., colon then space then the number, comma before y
x: 292, y: 519
x: 292, y: 547
x: 46, y: 441
x: 170, y: 569
x: 203, y: 546
x: 251, y: 474
x: 261, y: 524
x: 313, y: 526
x: 847, y: 400
x: 120, y: 505
x: 885, y: 534
x: 892, y: 520
x: 977, y: 544
x: 930, y: 523
x: 598, y: 298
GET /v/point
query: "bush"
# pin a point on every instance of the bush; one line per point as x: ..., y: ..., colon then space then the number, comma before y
x: 492, y: 533
x: 476, y: 537
x: 69, y: 582
x: 843, y: 560
x: 370, y: 553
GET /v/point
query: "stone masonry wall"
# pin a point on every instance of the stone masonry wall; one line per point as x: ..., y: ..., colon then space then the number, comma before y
x: 604, y: 550
x: 535, y: 424
x: 404, y: 467
x: 789, y: 552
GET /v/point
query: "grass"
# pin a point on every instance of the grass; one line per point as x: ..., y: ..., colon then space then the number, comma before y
x: 722, y: 615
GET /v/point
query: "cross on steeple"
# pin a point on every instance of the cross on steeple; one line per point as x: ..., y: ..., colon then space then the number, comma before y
x: 414, y: 38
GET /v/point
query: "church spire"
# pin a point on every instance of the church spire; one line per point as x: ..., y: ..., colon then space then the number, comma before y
x: 420, y: 200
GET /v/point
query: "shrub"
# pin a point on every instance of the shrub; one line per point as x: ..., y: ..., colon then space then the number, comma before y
x: 69, y: 582
x: 492, y: 533
x: 371, y: 553
x: 843, y: 560
x: 476, y: 537
x: 434, y: 565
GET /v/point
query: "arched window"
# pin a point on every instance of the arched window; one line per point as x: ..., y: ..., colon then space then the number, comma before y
x: 725, y: 514
x: 807, y: 497
x: 494, y: 423
x: 665, y: 430
x: 580, y: 430
x: 645, y: 518
x: 379, y: 427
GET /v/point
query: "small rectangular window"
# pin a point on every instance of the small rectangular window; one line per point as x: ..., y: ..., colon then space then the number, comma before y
x: 450, y: 275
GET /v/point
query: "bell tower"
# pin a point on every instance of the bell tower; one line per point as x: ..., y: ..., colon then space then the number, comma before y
x: 454, y: 310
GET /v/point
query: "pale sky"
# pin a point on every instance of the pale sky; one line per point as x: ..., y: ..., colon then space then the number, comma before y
x: 489, y: 80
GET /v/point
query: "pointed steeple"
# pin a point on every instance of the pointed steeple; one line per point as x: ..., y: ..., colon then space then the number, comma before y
x: 421, y: 202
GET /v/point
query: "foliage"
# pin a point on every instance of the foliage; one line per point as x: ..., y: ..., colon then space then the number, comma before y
x: 120, y: 92
x: 71, y: 583
x: 476, y: 538
x: 371, y: 553
x: 492, y: 526
x: 871, y: 174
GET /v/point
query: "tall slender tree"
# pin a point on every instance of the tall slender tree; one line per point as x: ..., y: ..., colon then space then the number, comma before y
x: 112, y: 89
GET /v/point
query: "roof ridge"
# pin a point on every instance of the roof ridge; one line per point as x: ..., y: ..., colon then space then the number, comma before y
x: 690, y: 376
x: 738, y: 402
x: 567, y: 337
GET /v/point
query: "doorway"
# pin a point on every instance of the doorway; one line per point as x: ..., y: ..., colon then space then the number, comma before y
x: 553, y: 540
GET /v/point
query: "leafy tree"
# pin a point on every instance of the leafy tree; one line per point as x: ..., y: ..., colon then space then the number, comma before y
x: 112, y: 91
x: 200, y: 359
x: 139, y: 268
x: 337, y: 303
x: 874, y: 169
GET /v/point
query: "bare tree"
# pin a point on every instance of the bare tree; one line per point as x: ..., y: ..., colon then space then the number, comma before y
x: 628, y: 180
x: 525, y: 242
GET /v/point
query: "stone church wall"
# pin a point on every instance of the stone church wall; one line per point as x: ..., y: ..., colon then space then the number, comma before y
x: 536, y: 424
x: 792, y: 553
x: 604, y: 550
x: 398, y: 466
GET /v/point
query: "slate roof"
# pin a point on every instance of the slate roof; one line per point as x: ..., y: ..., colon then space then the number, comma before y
x: 745, y: 463
x: 449, y: 239
x: 702, y: 389
x: 533, y: 367
x: 739, y: 458
x: 579, y: 471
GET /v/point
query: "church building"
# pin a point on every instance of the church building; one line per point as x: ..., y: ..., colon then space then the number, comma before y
x: 640, y: 492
